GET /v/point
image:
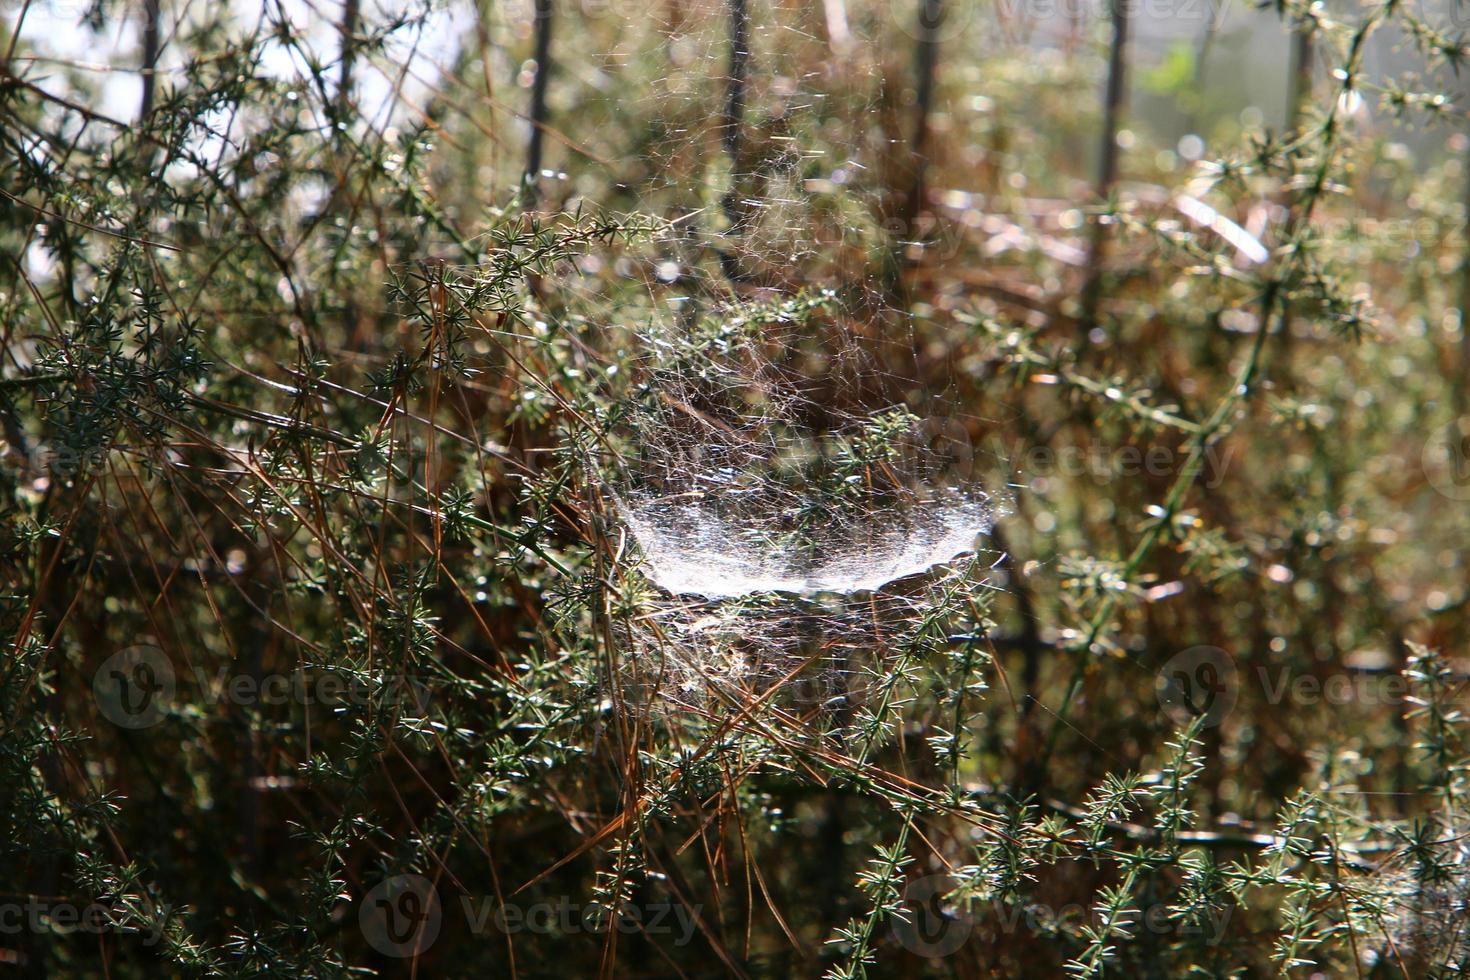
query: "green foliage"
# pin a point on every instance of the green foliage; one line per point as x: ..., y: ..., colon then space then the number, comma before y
x: 319, y: 606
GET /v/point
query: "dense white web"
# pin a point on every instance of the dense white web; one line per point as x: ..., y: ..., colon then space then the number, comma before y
x: 691, y: 548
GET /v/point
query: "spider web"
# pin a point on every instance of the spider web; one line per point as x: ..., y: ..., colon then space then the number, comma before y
x: 784, y: 528
x: 779, y: 489
x: 732, y: 493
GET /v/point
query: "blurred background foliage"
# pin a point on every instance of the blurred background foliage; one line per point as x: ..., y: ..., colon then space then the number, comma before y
x: 317, y: 318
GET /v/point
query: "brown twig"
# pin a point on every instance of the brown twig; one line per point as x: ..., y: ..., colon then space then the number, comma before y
x: 1107, y: 167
